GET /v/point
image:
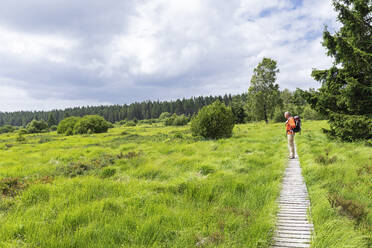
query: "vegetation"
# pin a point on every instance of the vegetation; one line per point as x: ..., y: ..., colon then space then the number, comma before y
x: 36, y: 126
x: 84, y: 125
x: 142, y: 186
x: 338, y: 176
x: 345, y: 95
x: 116, y: 113
x: 67, y: 125
x: 215, y: 121
x: 264, y: 94
x: 7, y: 129
x: 91, y: 124
x: 176, y: 120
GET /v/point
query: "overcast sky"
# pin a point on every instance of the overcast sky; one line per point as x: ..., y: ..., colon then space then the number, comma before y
x: 62, y: 53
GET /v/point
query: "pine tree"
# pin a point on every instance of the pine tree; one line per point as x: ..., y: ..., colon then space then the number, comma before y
x: 345, y: 96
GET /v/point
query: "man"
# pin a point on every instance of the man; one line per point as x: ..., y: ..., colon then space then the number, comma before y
x: 289, y: 126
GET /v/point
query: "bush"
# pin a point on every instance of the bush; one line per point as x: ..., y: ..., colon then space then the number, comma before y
x: 214, y: 121
x: 22, y: 131
x: 36, y: 126
x: 53, y: 128
x: 176, y: 120
x: 311, y: 114
x: 350, y: 127
x: 91, y: 124
x: 66, y: 126
x: 180, y: 120
x: 164, y: 115
x: 279, y: 116
x: 7, y: 129
x: 131, y: 124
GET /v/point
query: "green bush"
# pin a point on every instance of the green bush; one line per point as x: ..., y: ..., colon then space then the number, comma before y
x: 91, y: 124
x: 164, y: 115
x: 7, y: 129
x: 350, y: 127
x: 36, y: 126
x: 66, y: 126
x: 131, y: 124
x: 176, y: 120
x: 22, y: 131
x: 214, y: 121
x: 53, y: 128
x: 311, y: 114
x: 279, y: 115
x: 180, y: 120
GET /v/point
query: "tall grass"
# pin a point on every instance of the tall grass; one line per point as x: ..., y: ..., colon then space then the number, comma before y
x: 339, y: 178
x: 143, y: 186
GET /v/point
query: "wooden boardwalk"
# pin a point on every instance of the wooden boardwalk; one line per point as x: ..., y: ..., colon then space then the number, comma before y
x: 293, y: 229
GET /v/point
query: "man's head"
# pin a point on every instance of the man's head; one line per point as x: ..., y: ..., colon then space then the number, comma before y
x: 287, y: 115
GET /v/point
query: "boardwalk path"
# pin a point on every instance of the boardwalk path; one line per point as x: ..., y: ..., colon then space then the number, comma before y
x: 293, y: 227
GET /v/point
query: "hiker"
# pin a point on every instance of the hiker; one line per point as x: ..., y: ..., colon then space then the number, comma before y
x: 289, y: 126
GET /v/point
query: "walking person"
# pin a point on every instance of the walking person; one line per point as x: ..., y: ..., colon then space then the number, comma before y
x: 289, y: 126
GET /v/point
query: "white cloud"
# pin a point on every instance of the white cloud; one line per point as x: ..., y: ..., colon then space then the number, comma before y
x: 168, y: 49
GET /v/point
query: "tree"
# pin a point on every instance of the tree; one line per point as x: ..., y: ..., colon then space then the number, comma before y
x: 345, y: 94
x: 51, y: 120
x: 263, y: 93
x: 237, y: 107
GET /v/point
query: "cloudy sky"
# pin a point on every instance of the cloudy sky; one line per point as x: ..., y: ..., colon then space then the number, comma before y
x: 62, y: 53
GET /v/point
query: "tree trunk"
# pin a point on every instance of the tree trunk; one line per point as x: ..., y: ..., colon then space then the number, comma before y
x: 266, y: 120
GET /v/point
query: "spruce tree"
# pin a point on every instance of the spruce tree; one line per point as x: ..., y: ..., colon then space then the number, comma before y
x: 345, y: 96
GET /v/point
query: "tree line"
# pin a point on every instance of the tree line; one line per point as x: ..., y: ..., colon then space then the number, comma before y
x: 240, y: 104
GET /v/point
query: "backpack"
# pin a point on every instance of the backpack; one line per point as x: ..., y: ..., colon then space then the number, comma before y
x: 297, y: 120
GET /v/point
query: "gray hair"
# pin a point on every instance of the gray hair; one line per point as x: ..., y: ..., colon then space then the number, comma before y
x: 287, y: 113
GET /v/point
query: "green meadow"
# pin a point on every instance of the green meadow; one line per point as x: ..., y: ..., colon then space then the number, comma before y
x: 143, y: 186
x: 339, y: 179
x: 156, y: 186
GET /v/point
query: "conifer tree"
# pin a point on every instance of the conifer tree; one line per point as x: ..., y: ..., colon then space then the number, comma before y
x: 345, y: 96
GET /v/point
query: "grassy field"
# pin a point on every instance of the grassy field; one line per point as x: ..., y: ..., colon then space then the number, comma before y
x: 339, y: 179
x: 144, y: 186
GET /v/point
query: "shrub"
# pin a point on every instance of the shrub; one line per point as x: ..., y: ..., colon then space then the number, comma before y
x: 214, y: 121
x: 7, y: 129
x: 131, y: 124
x: 36, y: 126
x: 176, y: 120
x: 279, y: 115
x: 91, y: 124
x: 311, y: 114
x: 180, y: 120
x: 22, y: 131
x: 164, y: 115
x: 53, y: 128
x: 66, y: 126
x: 350, y: 127
x: 169, y: 121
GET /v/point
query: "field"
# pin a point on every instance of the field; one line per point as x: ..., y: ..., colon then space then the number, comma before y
x: 156, y: 186
x: 339, y: 179
x: 144, y: 186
